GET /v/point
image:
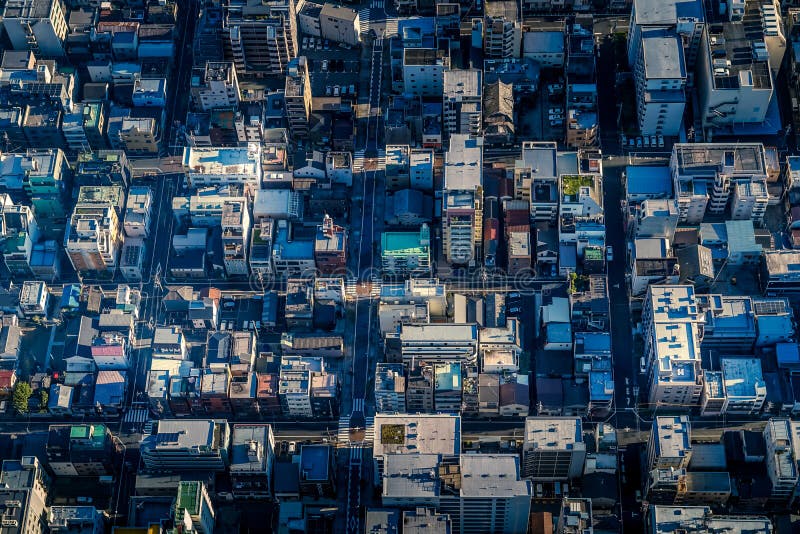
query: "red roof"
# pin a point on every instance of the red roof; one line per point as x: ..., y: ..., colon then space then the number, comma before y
x: 107, y: 350
x: 6, y: 378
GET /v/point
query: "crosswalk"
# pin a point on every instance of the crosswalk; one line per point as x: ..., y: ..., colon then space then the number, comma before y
x: 369, y: 430
x: 355, y: 454
x: 343, y: 435
x: 363, y: 20
x: 148, y: 428
x: 377, y: 4
x: 136, y: 416
x: 375, y: 289
x: 351, y: 288
x: 358, y: 160
x: 358, y: 405
x: 391, y: 26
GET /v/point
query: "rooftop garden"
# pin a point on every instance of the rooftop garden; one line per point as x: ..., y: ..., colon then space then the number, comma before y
x: 392, y: 434
x: 571, y: 184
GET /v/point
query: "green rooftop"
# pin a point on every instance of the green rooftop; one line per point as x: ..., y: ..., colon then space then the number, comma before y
x: 188, y: 498
x: 402, y: 244
x: 571, y: 184
x: 94, y: 433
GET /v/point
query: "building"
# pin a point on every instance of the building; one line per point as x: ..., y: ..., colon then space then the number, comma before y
x: 260, y: 36
x: 419, y: 390
x: 390, y: 388
x: 729, y: 323
x: 447, y: 387
x: 408, y: 168
x: 778, y: 273
x: 553, y: 448
x: 425, y: 521
x: 187, y: 445
x: 781, y: 459
x: 660, y: 77
x: 80, y: 450
x: 686, y: 19
x: 212, y: 167
x: 501, y: 30
x: 339, y: 24
x: 330, y: 247
x: 23, y: 493
x: 423, y: 71
x: 317, y: 470
x: 75, y: 519
x: 707, y: 178
x: 677, y: 519
x: 462, y: 204
x: 235, y: 237
x: 138, y: 207
x: 140, y: 136
x: 34, y: 298
x: 94, y: 235
x: 38, y: 25
x: 462, y: 100
x: 406, y: 254
x: 193, y: 507
x: 575, y: 516
x: 745, y: 389
x: 670, y: 444
x: 297, y: 97
x: 671, y: 323
x: 498, y: 114
x: 215, y: 86
x: 411, y: 435
x: 252, y: 457
x: 439, y: 342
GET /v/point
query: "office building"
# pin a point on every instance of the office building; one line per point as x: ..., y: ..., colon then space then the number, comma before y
x: 330, y: 247
x: 406, y: 254
x: 93, y: 237
x: 745, y: 388
x: 23, y: 496
x: 678, y: 519
x: 260, y: 36
x: 215, y: 86
x: 80, y: 450
x: 390, y: 388
x: 235, y: 237
x: 686, y: 19
x: 660, y: 77
x: 339, y: 24
x: 781, y: 459
x: 439, y: 342
x: 193, y: 508
x: 212, y: 167
x: 187, y: 445
x: 37, y: 25
x: 462, y: 101
x: 75, y: 520
x: 462, y: 205
x: 670, y: 443
x: 252, y: 458
x: 424, y: 70
x: 729, y: 323
x: 553, y: 448
x: 138, y: 207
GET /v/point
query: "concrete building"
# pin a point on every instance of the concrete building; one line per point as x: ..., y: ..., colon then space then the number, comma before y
x: 132, y: 259
x: 80, y: 450
x: 140, y: 136
x: 745, y: 389
x: 215, y: 86
x: 426, y: 521
x: 94, y: 235
x: 660, y: 77
x: 260, y: 36
x: 212, y: 167
x: 778, y: 273
x: 409, y: 168
x: 671, y: 324
x: 235, y: 237
x: 439, y: 342
x: 187, y: 445
x: 193, y: 507
x: 339, y: 24
x: 553, y: 448
x: 23, y: 493
x: 75, y: 519
x: 406, y: 254
x: 462, y: 205
x: 137, y: 211
x: 677, y: 519
x: 706, y: 178
x: 423, y: 71
x: 670, y: 443
x: 575, y: 516
x: 729, y: 324
x: 390, y: 387
x: 297, y: 97
x: 330, y: 247
x: 462, y: 101
x: 502, y: 35
x: 781, y: 459
x: 38, y: 25
x: 252, y: 457
x: 686, y: 19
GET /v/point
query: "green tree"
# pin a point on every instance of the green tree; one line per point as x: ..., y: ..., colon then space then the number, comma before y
x: 44, y: 398
x: 22, y: 393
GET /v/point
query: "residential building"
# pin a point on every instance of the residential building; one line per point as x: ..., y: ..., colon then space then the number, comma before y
x: 294, y: 391
x: 75, y: 519
x: 339, y: 24
x: 423, y: 71
x: 317, y: 470
x: 439, y: 342
x: 426, y: 521
x: 462, y: 205
x: 260, y: 37
x: 781, y: 459
x: 140, y: 136
x: 34, y: 298
x: 670, y: 443
x: 729, y: 323
x: 138, y: 207
x: 37, y: 25
x: 406, y: 254
x: 215, y: 86
x: 745, y: 389
x: 252, y: 458
x: 408, y: 168
x: 498, y: 114
x: 235, y: 237
x: 713, y: 400
x: 24, y: 486
x: 447, y: 391
x: 45, y: 175
x: 462, y: 100
x: 149, y: 92
x: 778, y: 273
x: 671, y: 326
x: 291, y: 256
x: 501, y: 30
x: 330, y: 247
x: 553, y: 448
x: 186, y: 445
x: 193, y: 507
x: 706, y: 174
x: 390, y: 388
x: 536, y: 179
x: 676, y: 519
x: 80, y: 450
x: 297, y: 97
x: 419, y: 390
x: 212, y: 167
x: 660, y: 76
x: 686, y: 19
x: 774, y: 321
x: 544, y: 43
x: 575, y: 516
x: 94, y: 235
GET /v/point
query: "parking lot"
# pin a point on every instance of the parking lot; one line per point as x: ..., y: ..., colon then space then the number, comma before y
x: 542, y: 116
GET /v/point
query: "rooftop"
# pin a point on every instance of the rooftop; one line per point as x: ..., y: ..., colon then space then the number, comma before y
x: 672, y: 436
x: 211, y: 160
x: 420, y: 433
x: 492, y: 475
x: 553, y: 433
x: 743, y: 377
x: 663, y: 55
x: 251, y: 445
x: 667, y: 13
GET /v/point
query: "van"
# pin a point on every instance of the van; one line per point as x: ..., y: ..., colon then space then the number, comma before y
x: 292, y: 447
x: 642, y: 366
x: 229, y: 304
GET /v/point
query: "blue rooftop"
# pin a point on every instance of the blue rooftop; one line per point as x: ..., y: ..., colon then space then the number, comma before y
x: 314, y: 462
x: 649, y: 180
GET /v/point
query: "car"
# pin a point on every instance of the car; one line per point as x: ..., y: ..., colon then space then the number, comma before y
x: 556, y: 122
x: 513, y: 295
x: 556, y: 117
x: 609, y: 253
x: 632, y: 142
x: 305, y: 42
x: 554, y: 110
x: 653, y: 141
x: 325, y: 65
x: 638, y: 142
x: 646, y: 141
x: 661, y: 141
x: 642, y: 366
x: 513, y: 311
x: 228, y: 304
x: 553, y: 270
x: 326, y: 45
x: 292, y: 447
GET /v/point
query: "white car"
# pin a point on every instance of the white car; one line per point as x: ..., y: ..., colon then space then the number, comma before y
x: 556, y: 116
x: 609, y: 253
x: 554, y: 110
x: 653, y: 141
x: 661, y: 141
x: 324, y: 65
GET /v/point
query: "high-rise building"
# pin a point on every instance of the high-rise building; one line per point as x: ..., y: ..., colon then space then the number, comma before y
x: 38, y: 25
x: 462, y: 205
x: 553, y: 448
x: 187, y: 445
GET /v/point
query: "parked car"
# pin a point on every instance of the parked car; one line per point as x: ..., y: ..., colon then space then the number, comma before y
x: 324, y: 65
x: 661, y: 141
x: 609, y: 253
x: 653, y: 141
x: 556, y: 122
x: 638, y: 142
x: 511, y: 312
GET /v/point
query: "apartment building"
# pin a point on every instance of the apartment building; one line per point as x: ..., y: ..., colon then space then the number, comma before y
x: 536, y: 179
x: 423, y: 71
x: 252, y: 459
x: 37, y: 25
x: 187, y: 445
x: 707, y: 177
x: 462, y: 101
x: 778, y: 273
x: 138, y: 207
x: 409, y: 168
x: 24, y: 486
x: 553, y: 449
x: 781, y: 459
x: 671, y: 326
x: 339, y: 24
x: 260, y: 36
x: 462, y: 205
x: 660, y: 77
x: 502, y: 34
x: 670, y: 443
x: 215, y: 86
x: 390, y: 387
x: 297, y: 97
x: 729, y: 323
x: 686, y: 19
x: 235, y: 237
x: 93, y: 238
x: 215, y: 166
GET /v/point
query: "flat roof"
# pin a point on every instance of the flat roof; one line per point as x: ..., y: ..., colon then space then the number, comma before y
x: 224, y: 160
x: 672, y: 436
x: 553, y: 433
x: 663, y: 55
x: 463, y: 166
x: 417, y: 433
x: 492, y: 475
x: 743, y: 377
x: 667, y: 12
x: 411, y: 475
x: 250, y: 448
